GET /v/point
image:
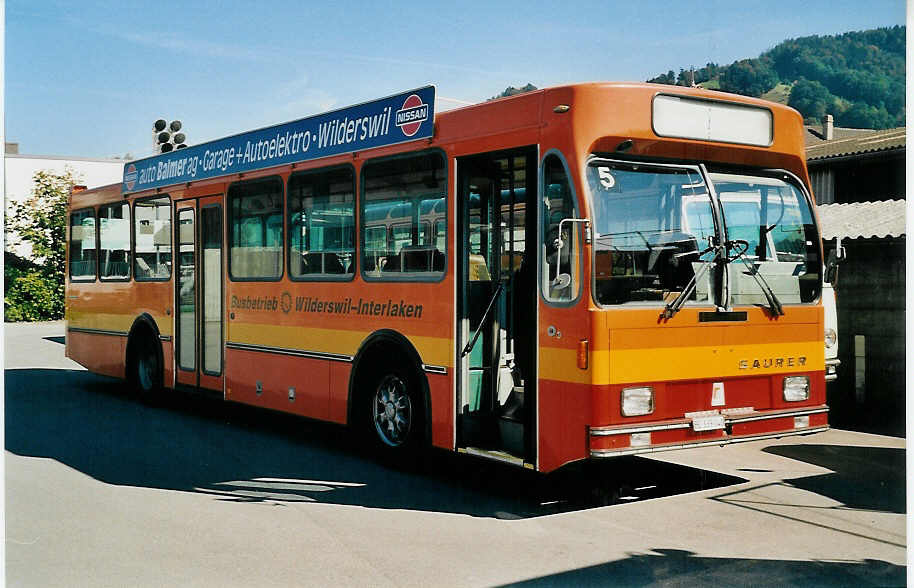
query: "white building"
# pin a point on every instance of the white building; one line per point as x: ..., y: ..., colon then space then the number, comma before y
x: 19, y: 170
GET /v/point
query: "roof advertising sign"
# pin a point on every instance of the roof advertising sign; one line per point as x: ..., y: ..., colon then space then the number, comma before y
x: 408, y: 116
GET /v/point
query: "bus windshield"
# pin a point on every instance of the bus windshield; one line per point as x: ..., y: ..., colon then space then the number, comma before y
x: 653, y: 225
x: 775, y: 221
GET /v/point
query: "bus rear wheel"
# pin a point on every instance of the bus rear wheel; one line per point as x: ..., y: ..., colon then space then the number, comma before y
x: 145, y: 369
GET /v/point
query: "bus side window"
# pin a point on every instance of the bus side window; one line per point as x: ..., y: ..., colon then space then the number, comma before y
x: 560, y: 276
x: 114, y: 241
x: 82, y: 245
x: 152, y: 239
x: 321, y: 224
x: 403, y: 199
x: 255, y: 229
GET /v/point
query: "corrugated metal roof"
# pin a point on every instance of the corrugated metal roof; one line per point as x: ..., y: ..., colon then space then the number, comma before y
x: 862, y: 220
x: 855, y: 143
x: 814, y: 134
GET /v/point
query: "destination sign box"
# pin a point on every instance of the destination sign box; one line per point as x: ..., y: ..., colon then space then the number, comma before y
x: 396, y: 119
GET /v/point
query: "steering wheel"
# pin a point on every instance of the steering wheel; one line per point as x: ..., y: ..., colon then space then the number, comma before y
x: 740, y: 242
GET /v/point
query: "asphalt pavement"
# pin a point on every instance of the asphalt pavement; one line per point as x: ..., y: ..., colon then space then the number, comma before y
x: 103, y: 490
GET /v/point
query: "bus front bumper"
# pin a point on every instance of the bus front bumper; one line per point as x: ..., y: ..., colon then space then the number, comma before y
x: 706, y: 428
x: 831, y: 369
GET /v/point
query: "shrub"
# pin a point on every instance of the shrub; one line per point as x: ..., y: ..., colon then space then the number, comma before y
x: 35, y: 288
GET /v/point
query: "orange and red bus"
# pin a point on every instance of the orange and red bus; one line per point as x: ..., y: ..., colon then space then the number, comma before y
x: 574, y: 273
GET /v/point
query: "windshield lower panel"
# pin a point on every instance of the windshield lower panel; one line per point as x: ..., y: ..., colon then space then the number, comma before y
x: 653, y: 226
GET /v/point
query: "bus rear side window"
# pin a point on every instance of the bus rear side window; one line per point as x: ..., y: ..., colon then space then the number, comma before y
x: 114, y: 241
x: 322, y: 224
x: 152, y: 239
x: 255, y: 230
x: 82, y: 245
x: 404, y: 201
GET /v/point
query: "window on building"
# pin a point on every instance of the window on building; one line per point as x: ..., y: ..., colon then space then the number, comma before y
x: 322, y: 224
x: 152, y: 239
x: 255, y: 229
x: 82, y: 245
x: 404, y: 215
x: 114, y: 241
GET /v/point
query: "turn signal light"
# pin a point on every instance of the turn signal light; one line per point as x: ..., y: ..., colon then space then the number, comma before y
x: 583, y: 349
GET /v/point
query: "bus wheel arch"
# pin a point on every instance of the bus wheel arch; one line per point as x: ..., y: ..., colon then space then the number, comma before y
x: 144, y: 359
x: 387, y: 359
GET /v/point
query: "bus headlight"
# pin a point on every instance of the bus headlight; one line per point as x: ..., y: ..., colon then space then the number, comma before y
x: 637, y: 401
x: 796, y: 388
x: 831, y: 337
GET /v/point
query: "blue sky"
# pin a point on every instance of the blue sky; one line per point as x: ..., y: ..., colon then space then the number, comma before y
x: 88, y: 78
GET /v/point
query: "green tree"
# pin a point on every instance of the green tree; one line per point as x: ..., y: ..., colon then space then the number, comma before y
x: 865, y: 116
x: 667, y: 78
x: 709, y: 71
x: 684, y: 78
x: 511, y: 91
x: 751, y: 77
x: 37, y: 292
x: 866, y: 67
x: 812, y: 99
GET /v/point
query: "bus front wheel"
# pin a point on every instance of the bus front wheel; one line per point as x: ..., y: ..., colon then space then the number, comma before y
x: 394, y: 412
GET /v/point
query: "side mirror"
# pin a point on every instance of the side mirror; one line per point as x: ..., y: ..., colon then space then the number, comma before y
x: 835, y: 258
x: 561, y: 281
x: 560, y: 243
x: 831, y: 274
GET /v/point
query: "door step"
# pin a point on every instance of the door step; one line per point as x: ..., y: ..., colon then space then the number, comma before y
x: 497, y: 455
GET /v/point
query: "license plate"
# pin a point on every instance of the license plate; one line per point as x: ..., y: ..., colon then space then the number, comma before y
x: 708, y: 423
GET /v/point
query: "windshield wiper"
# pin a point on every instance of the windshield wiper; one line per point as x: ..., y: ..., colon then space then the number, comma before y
x: 675, y: 305
x: 774, y: 305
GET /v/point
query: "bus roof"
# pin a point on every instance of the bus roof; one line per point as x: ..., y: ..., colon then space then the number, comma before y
x: 585, y: 118
x: 95, y: 196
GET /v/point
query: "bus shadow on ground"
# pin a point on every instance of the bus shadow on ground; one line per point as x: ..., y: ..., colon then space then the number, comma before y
x: 236, y: 453
x: 675, y: 567
x: 865, y: 478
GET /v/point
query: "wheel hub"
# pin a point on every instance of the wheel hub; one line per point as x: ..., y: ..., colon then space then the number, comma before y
x: 392, y: 411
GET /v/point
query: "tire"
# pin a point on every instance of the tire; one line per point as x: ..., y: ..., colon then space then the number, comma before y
x: 394, y: 412
x: 146, y: 369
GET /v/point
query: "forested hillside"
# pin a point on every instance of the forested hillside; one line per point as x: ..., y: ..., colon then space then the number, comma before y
x: 858, y: 77
x: 511, y: 91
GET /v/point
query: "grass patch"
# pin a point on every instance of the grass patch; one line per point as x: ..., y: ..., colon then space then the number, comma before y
x: 779, y: 94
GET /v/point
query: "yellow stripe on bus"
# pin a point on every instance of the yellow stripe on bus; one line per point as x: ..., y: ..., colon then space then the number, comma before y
x: 562, y: 365
x: 432, y: 350
x: 112, y: 322
x: 624, y: 366
x: 678, y: 363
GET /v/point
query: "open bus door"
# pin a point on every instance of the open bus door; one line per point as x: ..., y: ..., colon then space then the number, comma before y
x: 497, y: 305
x: 199, y: 331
